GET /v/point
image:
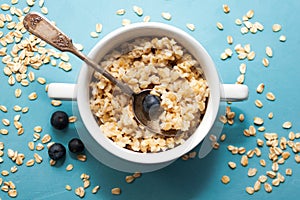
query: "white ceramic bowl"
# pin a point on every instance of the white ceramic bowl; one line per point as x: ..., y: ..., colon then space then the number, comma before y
x: 111, y: 41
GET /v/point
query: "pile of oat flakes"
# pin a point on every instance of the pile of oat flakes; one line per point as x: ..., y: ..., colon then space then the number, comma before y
x: 174, y: 75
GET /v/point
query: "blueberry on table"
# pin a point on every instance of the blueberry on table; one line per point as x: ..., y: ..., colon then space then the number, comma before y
x: 56, y: 151
x: 59, y: 120
x: 76, y: 145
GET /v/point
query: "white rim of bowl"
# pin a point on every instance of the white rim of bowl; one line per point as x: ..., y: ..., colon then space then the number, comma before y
x: 198, y: 52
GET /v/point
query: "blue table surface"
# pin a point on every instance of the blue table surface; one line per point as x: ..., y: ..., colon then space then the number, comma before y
x: 192, y: 179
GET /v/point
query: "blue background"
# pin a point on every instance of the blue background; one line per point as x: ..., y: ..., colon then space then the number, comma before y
x: 192, y: 179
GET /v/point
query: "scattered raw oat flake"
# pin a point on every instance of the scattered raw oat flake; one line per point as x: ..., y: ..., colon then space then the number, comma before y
x: 190, y: 26
x: 98, y: 28
x: 282, y: 38
x: 166, y: 15
x: 225, y: 179
x: 260, y: 88
x: 146, y: 18
x: 116, y: 191
x: 269, y: 51
x: 276, y: 27
x: 229, y: 39
x: 94, y: 34
x: 220, y: 26
x: 226, y: 8
x: 287, y: 125
x: 120, y: 11
x: 265, y: 62
x: 232, y: 165
x: 138, y: 10
x: 250, y: 190
x: 95, y: 189
x: 126, y: 22
x: 270, y: 96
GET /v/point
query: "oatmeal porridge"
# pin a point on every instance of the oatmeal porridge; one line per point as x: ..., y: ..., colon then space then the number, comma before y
x: 160, y: 64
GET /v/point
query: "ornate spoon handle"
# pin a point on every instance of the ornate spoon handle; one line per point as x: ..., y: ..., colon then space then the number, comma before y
x: 44, y: 29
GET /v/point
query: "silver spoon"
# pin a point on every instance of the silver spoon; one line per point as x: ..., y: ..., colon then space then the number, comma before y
x: 45, y: 30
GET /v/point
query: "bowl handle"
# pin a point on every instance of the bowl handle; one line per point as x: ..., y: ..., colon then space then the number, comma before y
x: 68, y: 91
x: 234, y: 92
x: 63, y: 91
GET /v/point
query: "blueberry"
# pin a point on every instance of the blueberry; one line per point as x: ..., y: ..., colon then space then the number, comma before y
x: 56, y: 151
x: 151, y: 105
x: 75, y: 145
x: 59, y: 120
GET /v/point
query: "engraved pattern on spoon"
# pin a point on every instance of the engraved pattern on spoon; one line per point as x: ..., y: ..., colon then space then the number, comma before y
x: 33, y: 20
x: 62, y: 41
